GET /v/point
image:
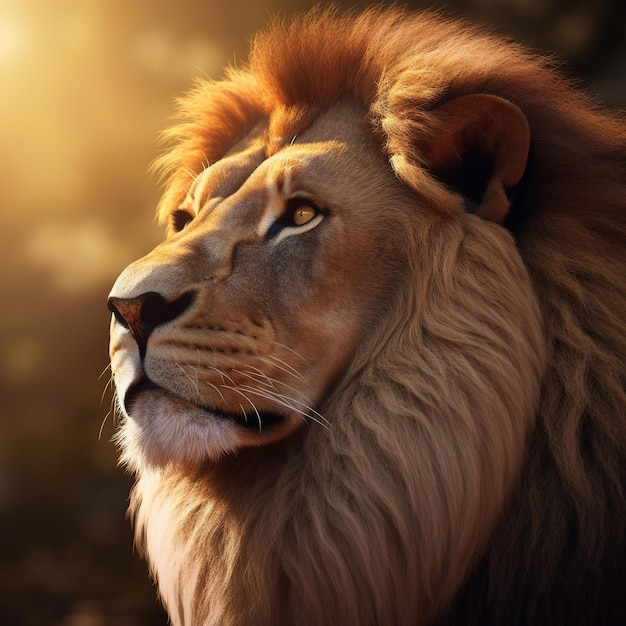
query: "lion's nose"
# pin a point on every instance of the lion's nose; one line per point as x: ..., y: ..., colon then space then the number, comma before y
x: 141, y: 315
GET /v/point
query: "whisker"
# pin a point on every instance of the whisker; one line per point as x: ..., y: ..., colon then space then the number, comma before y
x: 271, y: 382
x: 193, y: 381
x: 309, y: 409
x: 289, y: 403
x: 197, y: 365
x: 102, y: 425
x: 284, y: 363
x: 216, y: 389
x: 273, y: 362
x: 284, y: 347
x: 108, y: 386
x: 108, y: 367
x: 196, y: 382
x: 274, y: 381
x: 115, y: 410
x: 222, y: 374
x: 258, y: 415
x: 294, y: 352
x: 259, y: 378
x: 260, y: 373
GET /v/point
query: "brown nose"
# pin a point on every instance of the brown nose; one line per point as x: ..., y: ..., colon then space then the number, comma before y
x: 141, y: 315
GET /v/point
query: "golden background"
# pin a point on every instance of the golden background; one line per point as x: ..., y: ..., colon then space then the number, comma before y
x: 85, y: 87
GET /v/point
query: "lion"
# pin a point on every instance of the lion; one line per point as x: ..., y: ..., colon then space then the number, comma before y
x: 375, y: 374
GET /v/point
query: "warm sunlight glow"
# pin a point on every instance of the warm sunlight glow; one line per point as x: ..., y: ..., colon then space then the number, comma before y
x: 13, y: 40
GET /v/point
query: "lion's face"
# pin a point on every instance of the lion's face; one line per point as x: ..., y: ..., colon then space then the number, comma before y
x: 233, y: 330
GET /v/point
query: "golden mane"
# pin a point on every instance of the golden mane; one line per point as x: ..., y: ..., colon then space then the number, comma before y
x: 557, y: 554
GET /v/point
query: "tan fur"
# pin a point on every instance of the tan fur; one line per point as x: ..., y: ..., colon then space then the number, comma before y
x: 465, y: 460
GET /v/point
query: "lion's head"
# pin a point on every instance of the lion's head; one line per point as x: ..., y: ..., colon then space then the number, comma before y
x: 330, y: 370
x: 279, y: 259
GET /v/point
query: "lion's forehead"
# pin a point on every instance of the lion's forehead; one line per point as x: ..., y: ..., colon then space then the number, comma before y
x: 323, y: 152
x: 273, y: 173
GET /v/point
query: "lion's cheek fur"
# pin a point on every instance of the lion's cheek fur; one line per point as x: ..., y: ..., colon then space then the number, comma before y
x: 448, y: 404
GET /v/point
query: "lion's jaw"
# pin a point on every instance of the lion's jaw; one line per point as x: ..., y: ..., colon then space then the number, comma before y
x: 274, y: 309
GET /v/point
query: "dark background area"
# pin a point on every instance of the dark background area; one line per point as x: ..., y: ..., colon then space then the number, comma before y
x: 85, y: 87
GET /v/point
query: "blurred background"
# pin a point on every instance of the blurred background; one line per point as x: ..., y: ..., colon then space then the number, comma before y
x: 85, y: 87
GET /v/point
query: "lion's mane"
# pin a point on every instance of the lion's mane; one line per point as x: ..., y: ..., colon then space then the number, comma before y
x: 338, y: 526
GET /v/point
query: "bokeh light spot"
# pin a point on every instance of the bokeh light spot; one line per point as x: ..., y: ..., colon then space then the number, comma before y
x: 22, y: 359
x: 77, y: 255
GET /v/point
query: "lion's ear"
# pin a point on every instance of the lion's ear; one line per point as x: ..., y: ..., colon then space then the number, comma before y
x: 481, y: 151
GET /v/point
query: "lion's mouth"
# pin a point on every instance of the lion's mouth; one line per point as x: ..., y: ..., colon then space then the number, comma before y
x: 255, y: 420
x: 133, y: 393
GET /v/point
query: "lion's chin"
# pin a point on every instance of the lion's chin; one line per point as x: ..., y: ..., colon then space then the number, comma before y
x: 161, y: 428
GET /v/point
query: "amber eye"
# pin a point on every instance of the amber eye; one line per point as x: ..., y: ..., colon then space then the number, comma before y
x: 298, y: 212
x: 303, y: 214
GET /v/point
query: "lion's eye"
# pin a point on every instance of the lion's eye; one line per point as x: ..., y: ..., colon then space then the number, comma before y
x: 299, y: 213
x: 180, y: 219
x: 304, y: 214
